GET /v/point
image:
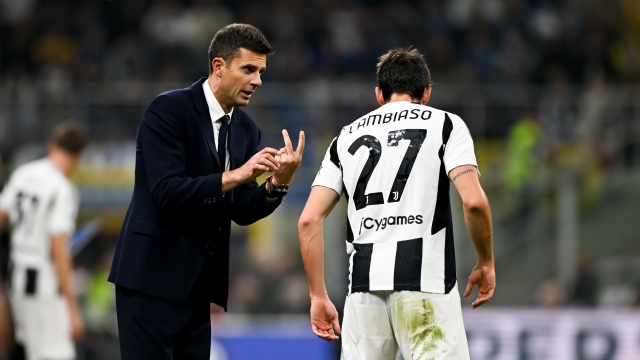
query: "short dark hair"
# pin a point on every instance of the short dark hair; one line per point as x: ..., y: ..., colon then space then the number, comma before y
x: 228, y: 41
x: 70, y: 137
x: 403, y: 71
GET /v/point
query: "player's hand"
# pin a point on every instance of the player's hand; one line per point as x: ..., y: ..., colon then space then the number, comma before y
x: 77, y: 326
x: 324, y: 319
x: 288, y: 159
x: 263, y: 161
x: 485, y: 277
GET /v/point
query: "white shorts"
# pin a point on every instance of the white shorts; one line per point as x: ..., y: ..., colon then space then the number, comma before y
x: 43, y: 328
x: 379, y: 325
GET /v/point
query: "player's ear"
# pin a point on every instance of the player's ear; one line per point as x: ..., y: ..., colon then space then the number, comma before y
x: 379, y: 96
x: 426, y: 95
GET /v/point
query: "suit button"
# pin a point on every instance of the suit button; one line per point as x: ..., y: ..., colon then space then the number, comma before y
x: 210, y: 253
x: 207, y: 244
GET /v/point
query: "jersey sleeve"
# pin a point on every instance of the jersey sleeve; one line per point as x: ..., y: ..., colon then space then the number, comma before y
x: 64, y: 210
x: 459, y: 149
x: 330, y: 173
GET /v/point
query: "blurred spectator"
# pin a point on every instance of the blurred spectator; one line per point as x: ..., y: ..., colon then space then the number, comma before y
x: 585, y: 290
x: 556, y: 109
x: 524, y: 154
x: 16, y: 11
x: 550, y: 294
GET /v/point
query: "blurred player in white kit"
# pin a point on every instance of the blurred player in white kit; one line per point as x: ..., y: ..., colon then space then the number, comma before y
x: 40, y: 204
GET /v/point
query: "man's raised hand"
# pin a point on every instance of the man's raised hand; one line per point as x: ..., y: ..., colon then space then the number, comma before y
x: 263, y: 161
x: 288, y: 159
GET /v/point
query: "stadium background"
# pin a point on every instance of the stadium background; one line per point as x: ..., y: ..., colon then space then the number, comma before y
x: 548, y: 89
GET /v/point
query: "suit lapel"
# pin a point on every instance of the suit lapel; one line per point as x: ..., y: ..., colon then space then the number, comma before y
x: 204, y: 120
x: 236, y: 143
x: 207, y: 130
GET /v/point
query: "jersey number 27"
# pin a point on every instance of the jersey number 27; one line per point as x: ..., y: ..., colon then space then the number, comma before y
x: 416, y: 138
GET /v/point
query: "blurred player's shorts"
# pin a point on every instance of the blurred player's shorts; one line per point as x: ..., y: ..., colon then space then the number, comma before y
x: 43, y: 327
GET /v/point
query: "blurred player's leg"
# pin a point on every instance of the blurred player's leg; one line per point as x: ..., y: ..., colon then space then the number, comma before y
x: 428, y: 326
x: 366, y: 330
x: 50, y: 339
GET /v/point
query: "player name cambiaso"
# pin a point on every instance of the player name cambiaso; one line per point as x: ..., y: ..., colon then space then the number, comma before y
x: 377, y: 119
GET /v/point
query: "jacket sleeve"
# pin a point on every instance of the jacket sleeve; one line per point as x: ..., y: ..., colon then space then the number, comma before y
x: 251, y: 203
x: 162, y: 141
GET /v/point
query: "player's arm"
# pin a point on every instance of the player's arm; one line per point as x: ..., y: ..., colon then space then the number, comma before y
x: 63, y: 266
x: 310, y: 230
x: 477, y: 216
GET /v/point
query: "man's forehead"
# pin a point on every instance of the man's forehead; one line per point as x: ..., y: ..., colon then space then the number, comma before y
x: 246, y: 56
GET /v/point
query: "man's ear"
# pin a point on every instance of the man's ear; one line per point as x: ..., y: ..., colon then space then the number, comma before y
x: 217, y: 65
x: 379, y: 96
x: 426, y: 95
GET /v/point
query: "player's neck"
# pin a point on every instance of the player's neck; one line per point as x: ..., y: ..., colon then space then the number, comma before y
x: 61, y: 161
x: 401, y: 97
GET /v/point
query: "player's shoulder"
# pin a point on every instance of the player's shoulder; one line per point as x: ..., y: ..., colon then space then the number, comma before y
x: 41, y: 171
x: 440, y: 115
x: 40, y: 166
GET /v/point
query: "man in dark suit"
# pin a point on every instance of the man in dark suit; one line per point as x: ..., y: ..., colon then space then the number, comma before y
x: 196, y: 162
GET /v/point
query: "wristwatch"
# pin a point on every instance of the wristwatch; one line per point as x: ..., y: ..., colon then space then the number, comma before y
x: 275, y: 190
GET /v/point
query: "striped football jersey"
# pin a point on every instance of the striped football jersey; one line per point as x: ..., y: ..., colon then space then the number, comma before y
x: 392, y: 165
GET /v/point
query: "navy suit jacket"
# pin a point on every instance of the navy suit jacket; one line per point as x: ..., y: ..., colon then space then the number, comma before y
x: 178, y: 217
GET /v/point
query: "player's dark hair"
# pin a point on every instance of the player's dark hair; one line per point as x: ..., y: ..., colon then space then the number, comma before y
x: 403, y: 71
x: 228, y: 41
x: 70, y: 137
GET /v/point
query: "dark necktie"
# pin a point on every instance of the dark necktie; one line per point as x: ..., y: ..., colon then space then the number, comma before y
x: 222, y: 141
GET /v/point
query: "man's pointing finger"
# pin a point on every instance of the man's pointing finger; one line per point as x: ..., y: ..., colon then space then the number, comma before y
x: 287, y: 141
x: 300, y: 149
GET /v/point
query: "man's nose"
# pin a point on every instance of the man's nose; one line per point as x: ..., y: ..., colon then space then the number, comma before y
x: 256, y: 80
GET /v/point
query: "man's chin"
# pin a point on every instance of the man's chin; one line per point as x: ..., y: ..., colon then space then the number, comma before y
x: 242, y: 102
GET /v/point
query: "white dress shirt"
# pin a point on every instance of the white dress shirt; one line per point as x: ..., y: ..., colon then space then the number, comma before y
x: 216, y: 112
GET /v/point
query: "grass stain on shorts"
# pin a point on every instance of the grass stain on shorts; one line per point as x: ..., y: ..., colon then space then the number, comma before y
x: 419, y: 325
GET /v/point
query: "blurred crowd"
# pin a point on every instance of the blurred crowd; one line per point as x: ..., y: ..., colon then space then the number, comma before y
x: 465, y: 41
x: 570, y: 52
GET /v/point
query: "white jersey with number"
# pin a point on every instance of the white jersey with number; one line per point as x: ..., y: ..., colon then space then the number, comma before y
x: 41, y: 202
x: 393, y: 164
